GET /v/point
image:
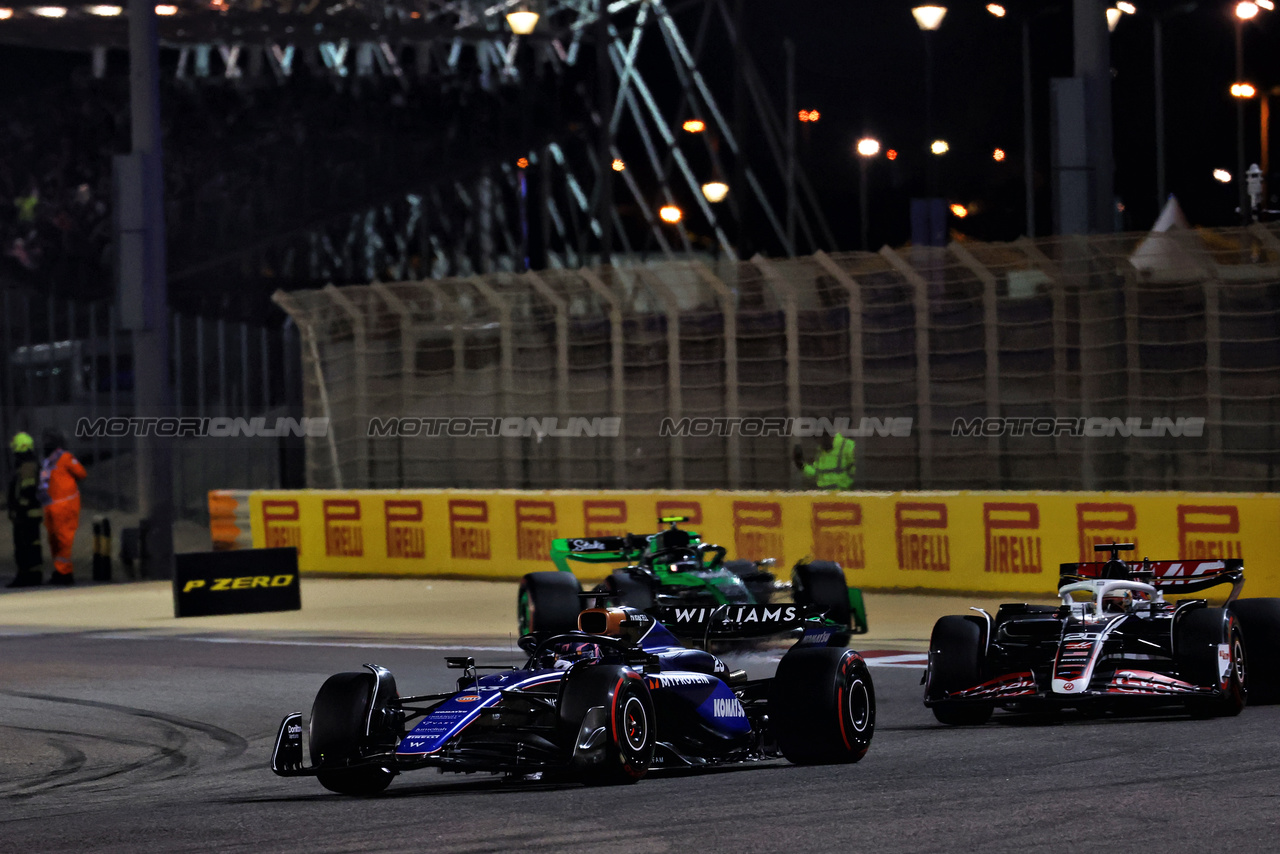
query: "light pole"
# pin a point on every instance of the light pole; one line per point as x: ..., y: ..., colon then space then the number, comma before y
x: 867, y: 148
x: 1028, y: 150
x: 1244, y: 11
x: 929, y: 19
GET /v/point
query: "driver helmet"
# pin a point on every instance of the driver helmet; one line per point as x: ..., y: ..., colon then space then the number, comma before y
x: 1115, y: 569
x: 672, y: 538
x: 568, y: 654
x: 1117, y: 601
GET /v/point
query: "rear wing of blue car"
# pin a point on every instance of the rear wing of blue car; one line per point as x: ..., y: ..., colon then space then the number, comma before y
x: 745, y: 622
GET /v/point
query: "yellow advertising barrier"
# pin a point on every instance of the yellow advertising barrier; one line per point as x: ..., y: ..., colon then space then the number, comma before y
x: 966, y: 541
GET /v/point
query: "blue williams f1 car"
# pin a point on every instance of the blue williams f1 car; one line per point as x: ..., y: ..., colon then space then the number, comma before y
x: 602, y: 705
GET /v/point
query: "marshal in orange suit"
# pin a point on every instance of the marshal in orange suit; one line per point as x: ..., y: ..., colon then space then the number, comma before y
x: 59, y: 491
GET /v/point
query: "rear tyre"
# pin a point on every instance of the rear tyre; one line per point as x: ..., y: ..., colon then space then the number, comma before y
x: 629, y: 721
x: 821, y: 583
x: 337, y: 737
x: 1260, y: 624
x: 548, y: 603
x: 1197, y: 639
x: 822, y: 706
x: 955, y: 663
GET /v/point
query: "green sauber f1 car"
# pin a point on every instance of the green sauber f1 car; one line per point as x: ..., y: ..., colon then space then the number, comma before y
x: 674, y: 567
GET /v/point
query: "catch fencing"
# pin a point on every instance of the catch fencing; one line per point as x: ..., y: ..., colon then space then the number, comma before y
x: 67, y: 363
x: 1152, y: 360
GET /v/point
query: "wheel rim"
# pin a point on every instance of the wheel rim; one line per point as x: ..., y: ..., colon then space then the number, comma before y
x: 1237, y: 660
x: 858, y: 707
x: 635, y: 724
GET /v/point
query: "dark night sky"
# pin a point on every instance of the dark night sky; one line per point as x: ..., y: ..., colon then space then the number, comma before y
x: 862, y: 63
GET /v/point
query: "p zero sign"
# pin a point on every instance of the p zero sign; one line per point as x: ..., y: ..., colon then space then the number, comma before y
x: 245, y: 581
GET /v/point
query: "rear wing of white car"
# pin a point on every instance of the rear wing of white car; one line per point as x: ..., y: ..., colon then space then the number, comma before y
x: 1168, y: 576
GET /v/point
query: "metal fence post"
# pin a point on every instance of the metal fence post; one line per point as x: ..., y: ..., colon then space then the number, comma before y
x: 617, y: 389
x: 924, y: 404
x: 1134, y: 468
x: 507, y: 370
x: 224, y: 461
x: 1058, y: 323
x: 307, y: 331
x: 244, y: 397
x: 675, y: 391
x: 405, y: 321
x: 360, y: 343
x: 1213, y: 372
x: 857, y: 386
x: 562, y: 367
x: 729, y: 312
x: 458, y: 344
x: 96, y: 445
x: 52, y: 399
x: 785, y: 294
x: 991, y: 346
x: 113, y: 361
x: 175, y: 346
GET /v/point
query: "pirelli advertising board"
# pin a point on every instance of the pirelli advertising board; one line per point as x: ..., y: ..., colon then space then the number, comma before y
x: 971, y: 541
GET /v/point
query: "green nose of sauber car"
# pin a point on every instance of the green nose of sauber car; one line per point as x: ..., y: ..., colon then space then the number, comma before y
x: 675, y: 568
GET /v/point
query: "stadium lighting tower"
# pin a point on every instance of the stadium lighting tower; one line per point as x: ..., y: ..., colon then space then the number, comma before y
x: 868, y: 147
x: 928, y: 19
x: 1244, y: 11
x: 715, y: 191
x: 522, y: 20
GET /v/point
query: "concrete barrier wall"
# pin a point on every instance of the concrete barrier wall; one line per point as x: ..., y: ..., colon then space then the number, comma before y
x: 974, y: 541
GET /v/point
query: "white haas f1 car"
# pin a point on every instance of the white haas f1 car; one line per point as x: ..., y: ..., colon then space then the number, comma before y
x: 1114, y: 642
x: 602, y: 705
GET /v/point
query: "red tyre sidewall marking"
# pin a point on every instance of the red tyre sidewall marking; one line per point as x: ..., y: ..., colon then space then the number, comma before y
x: 844, y: 670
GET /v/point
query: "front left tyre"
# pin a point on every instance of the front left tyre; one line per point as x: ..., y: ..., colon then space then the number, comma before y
x: 1201, y: 640
x: 822, y: 706
x: 337, y: 736
x: 955, y: 663
x: 626, y: 714
x: 1260, y: 624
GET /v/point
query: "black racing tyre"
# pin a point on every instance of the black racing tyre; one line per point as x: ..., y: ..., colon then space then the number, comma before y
x: 548, y: 603
x: 955, y: 663
x: 1260, y: 624
x: 821, y: 583
x: 1197, y: 638
x: 630, y: 723
x: 625, y: 589
x: 337, y: 735
x: 822, y: 706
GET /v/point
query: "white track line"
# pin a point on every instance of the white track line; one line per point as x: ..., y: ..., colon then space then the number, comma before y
x: 909, y: 660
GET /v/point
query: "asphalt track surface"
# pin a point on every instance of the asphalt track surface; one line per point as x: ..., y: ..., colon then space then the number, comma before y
x: 138, y: 740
